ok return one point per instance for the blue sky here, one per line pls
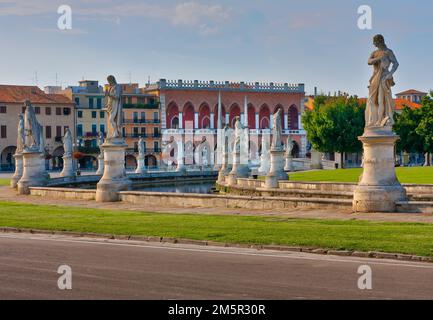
(310, 41)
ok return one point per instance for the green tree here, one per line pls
(405, 127)
(425, 127)
(334, 125)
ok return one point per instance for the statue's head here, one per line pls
(379, 40)
(111, 80)
(27, 103)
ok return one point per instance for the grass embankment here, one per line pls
(417, 175)
(410, 238)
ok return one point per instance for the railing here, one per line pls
(141, 106)
(89, 150)
(147, 150)
(231, 86)
(141, 135)
(141, 121)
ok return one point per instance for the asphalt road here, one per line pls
(133, 270)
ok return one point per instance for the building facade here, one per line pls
(141, 119)
(54, 112)
(411, 95)
(191, 107)
(88, 97)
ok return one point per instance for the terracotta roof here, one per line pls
(19, 94)
(401, 103)
(411, 91)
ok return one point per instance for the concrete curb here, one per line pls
(321, 251)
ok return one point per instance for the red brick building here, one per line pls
(191, 107)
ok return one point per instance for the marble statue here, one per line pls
(21, 134)
(238, 134)
(101, 139)
(141, 148)
(277, 130)
(205, 155)
(289, 149)
(114, 109)
(380, 104)
(33, 131)
(67, 143)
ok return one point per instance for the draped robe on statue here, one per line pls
(380, 104)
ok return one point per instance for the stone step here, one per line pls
(302, 193)
(424, 197)
(425, 207)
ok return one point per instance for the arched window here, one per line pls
(223, 112)
(251, 116)
(204, 116)
(172, 113)
(293, 118)
(188, 116)
(264, 117)
(235, 111)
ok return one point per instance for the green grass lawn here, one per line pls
(5, 182)
(421, 175)
(410, 238)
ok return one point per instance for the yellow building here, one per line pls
(141, 118)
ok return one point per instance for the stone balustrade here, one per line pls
(231, 86)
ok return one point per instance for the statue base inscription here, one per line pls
(34, 172)
(114, 178)
(379, 188)
(18, 170)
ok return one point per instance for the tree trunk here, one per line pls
(342, 160)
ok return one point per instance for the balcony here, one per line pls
(141, 135)
(89, 150)
(147, 150)
(141, 106)
(141, 121)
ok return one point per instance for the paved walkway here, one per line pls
(7, 194)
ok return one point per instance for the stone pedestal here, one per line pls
(140, 165)
(288, 166)
(34, 172)
(114, 178)
(316, 160)
(100, 170)
(68, 167)
(379, 188)
(277, 165)
(18, 170)
(239, 170)
(265, 164)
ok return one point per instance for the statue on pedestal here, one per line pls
(277, 131)
(33, 140)
(67, 144)
(141, 148)
(114, 109)
(21, 135)
(380, 104)
(379, 189)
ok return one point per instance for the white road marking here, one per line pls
(178, 247)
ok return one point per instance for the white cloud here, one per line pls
(205, 18)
